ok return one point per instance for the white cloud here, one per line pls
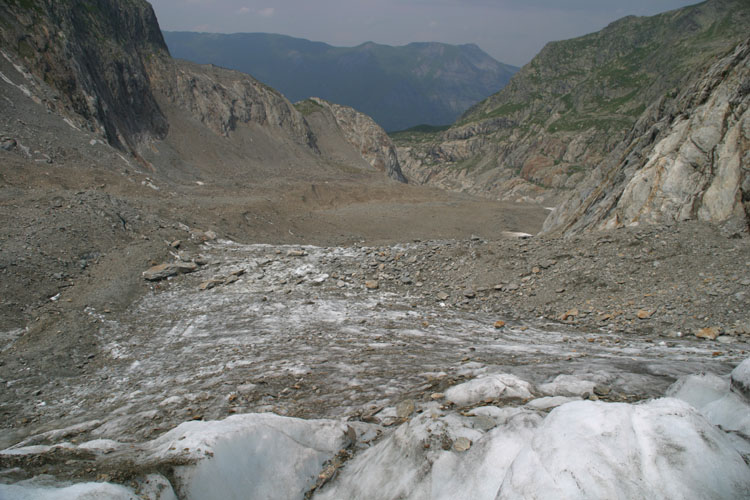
(267, 12)
(244, 10)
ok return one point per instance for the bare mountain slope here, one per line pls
(104, 66)
(563, 113)
(685, 159)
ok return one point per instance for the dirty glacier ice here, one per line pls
(288, 338)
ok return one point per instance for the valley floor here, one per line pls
(364, 303)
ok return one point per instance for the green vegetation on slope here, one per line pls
(606, 79)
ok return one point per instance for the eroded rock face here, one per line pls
(367, 137)
(95, 56)
(221, 99)
(563, 113)
(105, 68)
(687, 159)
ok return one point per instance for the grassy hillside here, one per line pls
(606, 79)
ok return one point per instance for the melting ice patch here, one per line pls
(662, 448)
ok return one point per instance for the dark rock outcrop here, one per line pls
(96, 54)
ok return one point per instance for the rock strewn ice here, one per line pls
(664, 448)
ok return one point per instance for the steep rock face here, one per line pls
(686, 159)
(104, 67)
(563, 113)
(366, 136)
(95, 54)
(221, 99)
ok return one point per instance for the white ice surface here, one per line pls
(712, 396)
(500, 386)
(661, 449)
(261, 456)
(567, 385)
(549, 402)
(699, 390)
(401, 466)
(81, 491)
(352, 351)
(741, 379)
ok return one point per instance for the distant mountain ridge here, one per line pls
(565, 111)
(399, 87)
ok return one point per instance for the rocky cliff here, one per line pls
(94, 54)
(222, 99)
(686, 158)
(104, 67)
(366, 136)
(562, 114)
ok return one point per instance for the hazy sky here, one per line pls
(512, 31)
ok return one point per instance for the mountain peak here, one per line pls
(422, 82)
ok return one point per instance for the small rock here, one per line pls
(709, 333)
(462, 444)
(726, 339)
(405, 408)
(643, 314)
(296, 253)
(442, 296)
(372, 285)
(602, 390)
(319, 280)
(231, 279)
(340, 284)
(7, 144)
(469, 294)
(207, 285)
(569, 314)
(499, 324)
(163, 271)
(485, 423)
(536, 270)
(201, 235)
(437, 395)
(176, 244)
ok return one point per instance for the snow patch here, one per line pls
(82, 491)
(500, 386)
(567, 385)
(250, 456)
(661, 449)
